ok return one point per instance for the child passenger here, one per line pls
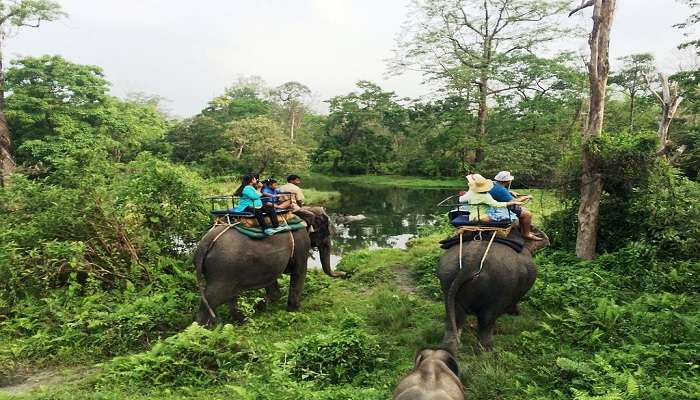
(251, 202)
(270, 192)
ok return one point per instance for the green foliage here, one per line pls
(344, 355)
(28, 13)
(194, 357)
(84, 322)
(360, 130)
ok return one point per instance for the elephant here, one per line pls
(228, 263)
(435, 376)
(505, 278)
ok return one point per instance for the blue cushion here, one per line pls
(222, 213)
(231, 213)
(463, 220)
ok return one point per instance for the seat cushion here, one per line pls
(463, 220)
(223, 213)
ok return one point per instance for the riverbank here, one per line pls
(393, 180)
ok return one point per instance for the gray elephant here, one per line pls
(505, 278)
(435, 376)
(234, 263)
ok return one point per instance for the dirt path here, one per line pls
(405, 280)
(56, 376)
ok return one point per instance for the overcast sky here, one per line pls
(189, 51)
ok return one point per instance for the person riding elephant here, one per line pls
(229, 262)
(501, 192)
(505, 278)
(251, 201)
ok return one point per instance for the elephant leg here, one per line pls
(451, 339)
(513, 310)
(272, 294)
(296, 287)
(216, 295)
(487, 323)
(236, 314)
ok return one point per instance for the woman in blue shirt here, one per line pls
(251, 202)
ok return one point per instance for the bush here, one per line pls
(195, 357)
(340, 356)
(660, 212)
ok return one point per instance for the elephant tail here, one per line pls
(465, 275)
(199, 256)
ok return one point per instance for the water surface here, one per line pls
(393, 215)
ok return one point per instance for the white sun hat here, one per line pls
(504, 176)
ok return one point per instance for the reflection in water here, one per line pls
(393, 215)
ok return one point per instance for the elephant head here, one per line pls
(320, 235)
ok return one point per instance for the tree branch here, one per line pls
(581, 7)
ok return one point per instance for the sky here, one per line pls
(189, 51)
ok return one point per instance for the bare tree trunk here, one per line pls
(479, 153)
(632, 96)
(591, 180)
(7, 162)
(291, 127)
(669, 100)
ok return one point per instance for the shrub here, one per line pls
(197, 356)
(337, 357)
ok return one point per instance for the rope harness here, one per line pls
(503, 232)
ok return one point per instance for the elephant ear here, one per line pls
(419, 358)
(452, 364)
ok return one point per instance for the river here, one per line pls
(392, 215)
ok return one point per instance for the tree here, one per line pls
(693, 19)
(15, 14)
(259, 145)
(669, 99)
(632, 78)
(472, 45)
(201, 136)
(292, 96)
(362, 130)
(591, 179)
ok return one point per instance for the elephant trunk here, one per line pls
(325, 251)
(471, 258)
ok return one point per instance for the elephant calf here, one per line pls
(434, 377)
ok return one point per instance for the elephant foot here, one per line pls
(293, 307)
(238, 317)
(482, 348)
(261, 306)
(513, 310)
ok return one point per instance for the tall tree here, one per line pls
(631, 78)
(292, 95)
(669, 99)
(591, 179)
(472, 44)
(693, 19)
(15, 14)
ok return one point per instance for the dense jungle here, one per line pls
(104, 199)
